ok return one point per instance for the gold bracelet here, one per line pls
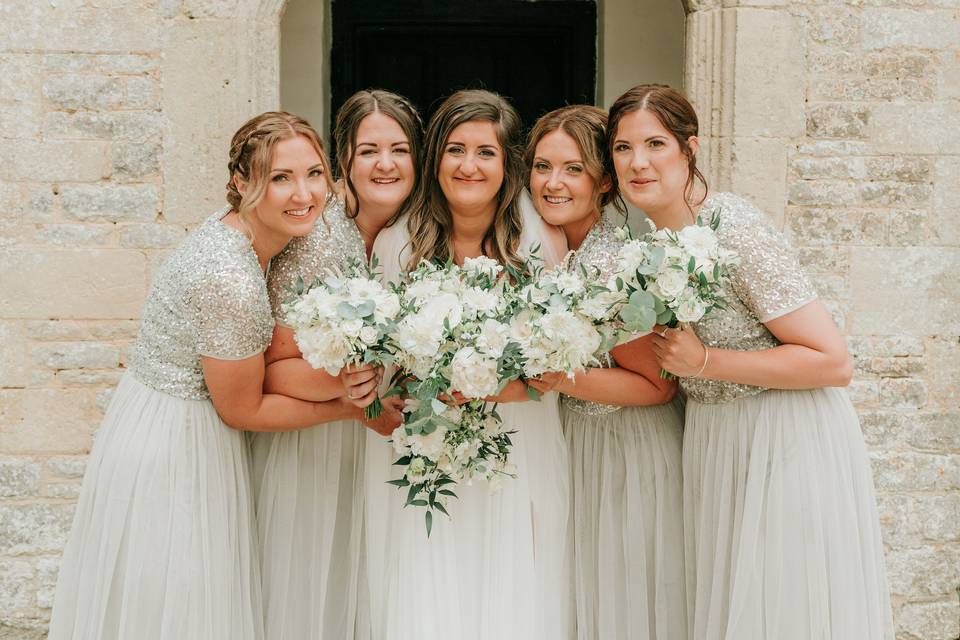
(706, 359)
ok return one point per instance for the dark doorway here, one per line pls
(541, 55)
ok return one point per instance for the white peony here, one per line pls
(494, 337)
(534, 294)
(388, 306)
(324, 348)
(690, 309)
(420, 334)
(482, 265)
(700, 242)
(431, 445)
(444, 306)
(352, 327)
(399, 440)
(603, 304)
(630, 258)
(473, 374)
(479, 302)
(421, 291)
(568, 283)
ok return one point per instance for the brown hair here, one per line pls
(351, 114)
(674, 112)
(251, 151)
(587, 125)
(430, 222)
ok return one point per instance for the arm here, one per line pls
(813, 354)
(635, 382)
(287, 373)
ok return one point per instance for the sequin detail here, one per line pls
(767, 283)
(209, 299)
(597, 251)
(334, 240)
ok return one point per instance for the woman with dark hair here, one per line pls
(310, 491)
(623, 432)
(500, 566)
(782, 534)
(164, 544)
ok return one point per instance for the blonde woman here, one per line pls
(163, 545)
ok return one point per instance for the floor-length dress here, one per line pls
(163, 545)
(309, 482)
(501, 566)
(782, 532)
(627, 500)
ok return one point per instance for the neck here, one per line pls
(469, 228)
(576, 231)
(370, 219)
(679, 213)
(266, 243)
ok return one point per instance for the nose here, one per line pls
(555, 181)
(385, 160)
(469, 164)
(301, 193)
(639, 160)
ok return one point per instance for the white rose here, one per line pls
(431, 445)
(521, 325)
(569, 283)
(422, 290)
(352, 327)
(494, 337)
(482, 265)
(603, 304)
(534, 294)
(444, 306)
(480, 302)
(690, 309)
(472, 374)
(399, 440)
(672, 282)
(416, 470)
(388, 306)
(700, 242)
(369, 335)
(630, 258)
(360, 289)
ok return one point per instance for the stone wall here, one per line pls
(840, 118)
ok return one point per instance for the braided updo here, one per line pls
(251, 152)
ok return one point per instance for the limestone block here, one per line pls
(830, 259)
(911, 228)
(911, 471)
(65, 490)
(927, 571)
(61, 27)
(76, 355)
(903, 393)
(135, 160)
(47, 570)
(41, 204)
(105, 63)
(891, 367)
(14, 362)
(769, 40)
(837, 120)
(948, 75)
(895, 194)
(47, 420)
(66, 330)
(34, 528)
(863, 392)
(882, 429)
(18, 477)
(836, 26)
(137, 126)
(868, 89)
(943, 356)
(19, 82)
(940, 517)
(210, 8)
(906, 290)
(832, 148)
(946, 196)
(53, 160)
(142, 93)
(808, 168)
(83, 91)
(899, 168)
(70, 467)
(93, 283)
(758, 172)
(20, 121)
(94, 377)
(938, 431)
(815, 226)
(929, 620)
(831, 193)
(889, 28)
(111, 202)
(901, 518)
(922, 128)
(16, 577)
(897, 63)
(74, 235)
(151, 236)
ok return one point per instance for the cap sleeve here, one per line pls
(232, 317)
(768, 278)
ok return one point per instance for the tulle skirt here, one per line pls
(500, 567)
(782, 533)
(163, 545)
(628, 522)
(310, 519)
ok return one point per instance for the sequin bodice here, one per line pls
(597, 251)
(767, 283)
(208, 299)
(333, 241)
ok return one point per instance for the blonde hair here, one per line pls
(430, 222)
(251, 152)
(587, 125)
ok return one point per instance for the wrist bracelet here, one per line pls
(706, 359)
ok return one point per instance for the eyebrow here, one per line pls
(480, 146)
(374, 144)
(319, 165)
(542, 159)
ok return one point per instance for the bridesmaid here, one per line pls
(499, 567)
(163, 545)
(310, 498)
(782, 534)
(623, 433)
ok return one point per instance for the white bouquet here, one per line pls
(342, 319)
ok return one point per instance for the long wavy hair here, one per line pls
(351, 114)
(430, 222)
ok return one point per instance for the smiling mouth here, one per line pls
(557, 199)
(642, 181)
(385, 180)
(470, 180)
(299, 213)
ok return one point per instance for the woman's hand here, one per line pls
(679, 351)
(389, 419)
(360, 383)
(550, 381)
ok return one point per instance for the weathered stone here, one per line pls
(18, 477)
(830, 259)
(34, 528)
(929, 620)
(930, 571)
(829, 60)
(40, 205)
(871, 88)
(47, 570)
(73, 235)
(824, 193)
(895, 194)
(68, 417)
(898, 168)
(151, 236)
(886, 346)
(14, 363)
(16, 577)
(831, 148)
(47, 26)
(934, 431)
(943, 356)
(20, 121)
(891, 367)
(864, 392)
(100, 63)
(837, 226)
(838, 27)
(142, 92)
(111, 202)
(912, 471)
(891, 28)
(911, 228)
(903, 393)
(76, 355)
(897, 64)
(66, 330)
(138, 126)
(52, 160)
(62, 490)
(914, 127)
(66, 466)
(946, 195)
(881, 429)
(135, 160)
(837, 121)
(83, 91)
(814, 168)
(97, 377)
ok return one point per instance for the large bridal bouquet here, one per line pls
(341, 319)
(452, 339)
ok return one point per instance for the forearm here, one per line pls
(295, 377)
(278, 413)
(618, 386)
(515, 391)
(788, 366)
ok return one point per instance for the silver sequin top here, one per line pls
(334, 240)
(767, 283)
(209, 299)
(597, 251)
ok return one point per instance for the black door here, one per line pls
(541, 55)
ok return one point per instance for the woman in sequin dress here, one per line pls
(163, 545)
(310, 482)
(623, 432)
(499, 567)
(782, 534)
